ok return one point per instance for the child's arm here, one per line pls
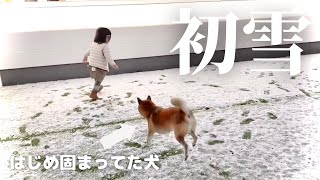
(107, 55)
(85, 57)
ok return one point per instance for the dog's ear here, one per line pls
(149, 98)
(139, 100)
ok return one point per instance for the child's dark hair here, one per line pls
(101, 35)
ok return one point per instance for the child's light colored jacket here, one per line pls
(99, 56)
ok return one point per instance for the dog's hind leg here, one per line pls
(193, 129)
(194, 137)
(180, 139)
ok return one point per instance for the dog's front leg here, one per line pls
(150, 136)
(150, 133)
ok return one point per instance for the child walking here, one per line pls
(98, 56)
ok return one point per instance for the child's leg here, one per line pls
(97, 86)
(100, 75)
(95, 90)
(100, 88)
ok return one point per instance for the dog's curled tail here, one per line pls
(181, 104)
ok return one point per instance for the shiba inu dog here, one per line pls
(179, 119)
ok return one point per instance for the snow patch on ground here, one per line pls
(251, 125)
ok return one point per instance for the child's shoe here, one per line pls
(93, 96)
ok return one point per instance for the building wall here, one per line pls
(44, 42)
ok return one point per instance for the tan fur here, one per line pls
(163, 120)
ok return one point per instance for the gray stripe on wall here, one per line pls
(70, 71)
